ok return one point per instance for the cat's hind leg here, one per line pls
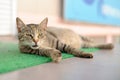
(100, 46)
(104, 46)
(88, 43)
(69, 49)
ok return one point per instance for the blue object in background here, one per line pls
(93, 11)
(89, 2)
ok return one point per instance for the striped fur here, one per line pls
(49, 41)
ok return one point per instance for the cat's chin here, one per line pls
(34, 47)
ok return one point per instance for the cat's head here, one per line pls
(31, 34)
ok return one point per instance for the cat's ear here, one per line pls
(20, 24)
(43, 24)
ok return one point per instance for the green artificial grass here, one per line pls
(11, 59)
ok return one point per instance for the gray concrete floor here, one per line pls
(104, 66)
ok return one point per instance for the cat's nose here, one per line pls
(36, 41)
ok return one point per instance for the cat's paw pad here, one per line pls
(56, 56)
(86, 55)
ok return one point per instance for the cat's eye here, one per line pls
(40, 35)
(29, 35)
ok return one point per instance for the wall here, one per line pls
(42, 7)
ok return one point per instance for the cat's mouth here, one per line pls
(34, 46)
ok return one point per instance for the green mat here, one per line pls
(11, 59)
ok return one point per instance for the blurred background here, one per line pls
(98, 19)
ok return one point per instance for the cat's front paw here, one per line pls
(86, 55)
(56, 56)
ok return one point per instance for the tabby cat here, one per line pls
(50, 41)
